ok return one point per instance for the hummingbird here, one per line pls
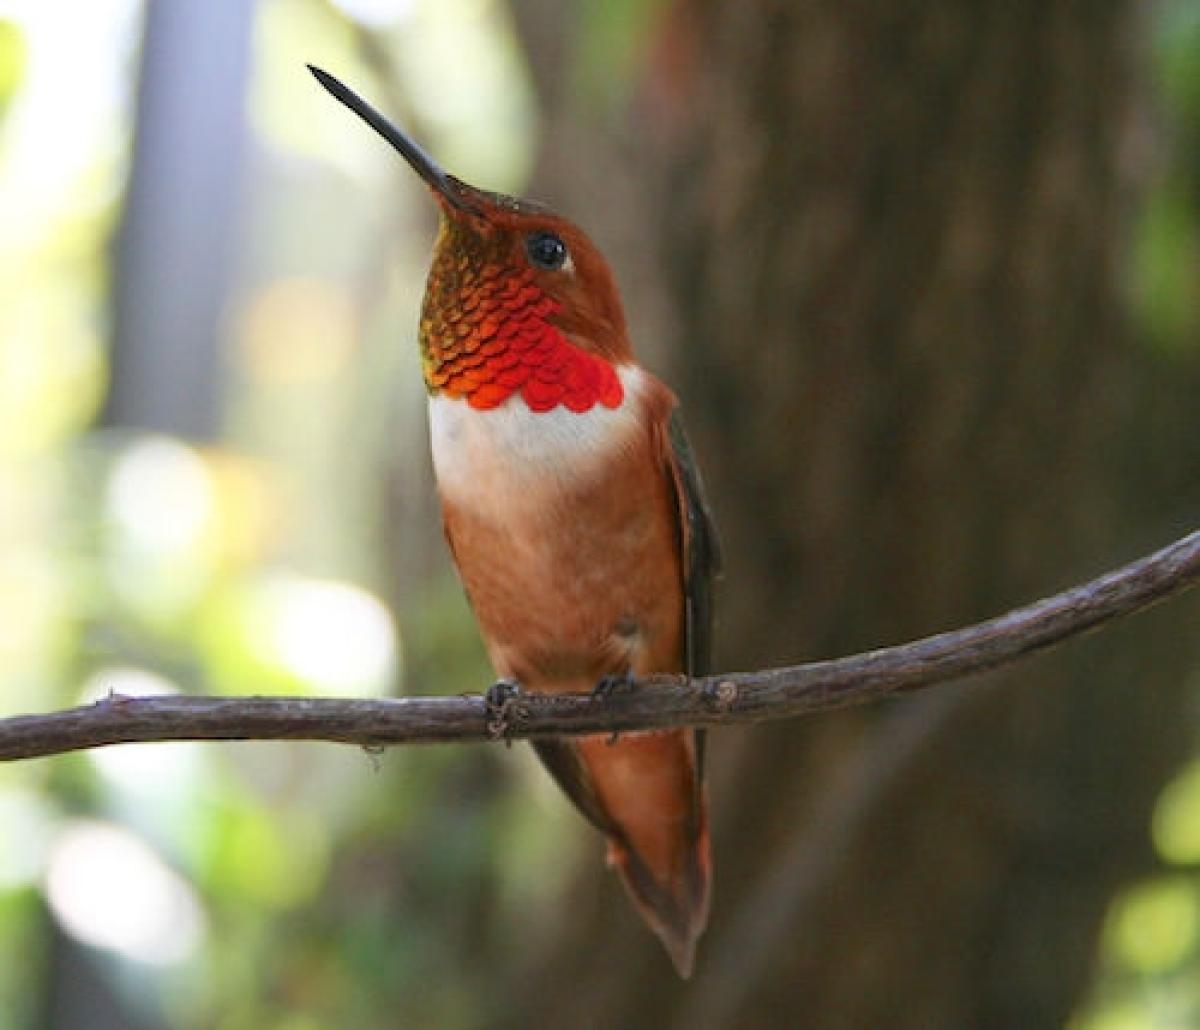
(574, 513)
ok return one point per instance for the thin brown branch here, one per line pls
(736, 698)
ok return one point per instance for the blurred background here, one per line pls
(927, 280)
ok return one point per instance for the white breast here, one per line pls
(511, 456)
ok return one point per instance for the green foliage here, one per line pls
(1177, 48)
(1151, 947)
(614, 35)
(23, 944)
(12, 60)
(1166, 266)
(1166, 251)
(1176, 824)
(1153, 928)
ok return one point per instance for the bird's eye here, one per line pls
(546, 250)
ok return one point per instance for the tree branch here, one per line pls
(736, 698)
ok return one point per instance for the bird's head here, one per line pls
(519, 302)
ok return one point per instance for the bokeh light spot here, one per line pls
(1153, 927)
(160, 494)
(334, 635)
(109, 889)
(1176, 825)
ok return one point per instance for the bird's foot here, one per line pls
(614, 683)
(499, 705)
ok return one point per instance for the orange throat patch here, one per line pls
(486, 335)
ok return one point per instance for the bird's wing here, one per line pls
(700, 546)
(701, 559)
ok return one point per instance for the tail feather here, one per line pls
(675, 908)
(645, 790)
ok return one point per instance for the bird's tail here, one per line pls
(648, 789)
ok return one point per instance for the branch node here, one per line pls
(722, 696)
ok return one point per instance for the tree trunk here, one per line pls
(178, 234)
(890, 240)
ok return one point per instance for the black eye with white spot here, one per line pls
(546, 250)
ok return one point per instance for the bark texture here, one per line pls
(889, 241)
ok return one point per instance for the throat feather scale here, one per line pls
(486, 334)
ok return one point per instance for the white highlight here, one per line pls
(334, 635)
(377, 13)
(71, 106)
(109, 889)
(161, 495)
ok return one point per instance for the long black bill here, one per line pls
(424, 165)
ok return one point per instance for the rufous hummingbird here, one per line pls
(574, 513)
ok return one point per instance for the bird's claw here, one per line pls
(614, 683)
(500, 704)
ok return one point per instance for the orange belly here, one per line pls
(572, 566)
